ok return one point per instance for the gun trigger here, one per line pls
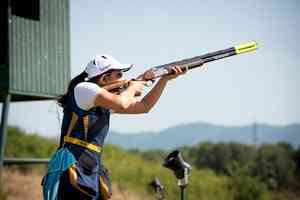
(150, 82)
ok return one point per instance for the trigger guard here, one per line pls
(149, 83)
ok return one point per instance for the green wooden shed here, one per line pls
(35, 60)
(34, 52)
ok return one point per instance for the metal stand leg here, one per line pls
(182, 192)
(3, 129)
(182, 183)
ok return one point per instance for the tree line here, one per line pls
(275, 165)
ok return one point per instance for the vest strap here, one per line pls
(82, 143)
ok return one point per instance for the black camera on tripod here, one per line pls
(181, 169)
(175, 162)
(158, 188)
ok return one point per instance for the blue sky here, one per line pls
(261, 86)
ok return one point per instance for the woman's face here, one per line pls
(110, 77)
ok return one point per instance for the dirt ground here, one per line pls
(23, 186)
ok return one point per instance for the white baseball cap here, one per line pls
(102, 63)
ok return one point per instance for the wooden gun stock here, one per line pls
(115, 87)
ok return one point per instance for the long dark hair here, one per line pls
(62, 100)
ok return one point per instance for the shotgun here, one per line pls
(189, 63)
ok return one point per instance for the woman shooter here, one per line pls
(76, 170)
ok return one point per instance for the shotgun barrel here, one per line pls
(198, 61)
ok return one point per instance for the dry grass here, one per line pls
(27, 185)
(19, 185)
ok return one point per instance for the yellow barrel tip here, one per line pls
(246, 47)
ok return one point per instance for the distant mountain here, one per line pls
(193, 133)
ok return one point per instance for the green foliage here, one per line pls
(3, 195)
(130, 171)
(220, 171)
(151, 155)
(20, 144)
(246, 187)
(296, 157)
(275, 165)
(220, 157)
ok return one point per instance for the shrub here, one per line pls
(246, 187)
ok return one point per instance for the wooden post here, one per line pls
(3, 130)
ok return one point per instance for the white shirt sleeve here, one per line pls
(85, 94)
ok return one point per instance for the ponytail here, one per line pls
(62, 100)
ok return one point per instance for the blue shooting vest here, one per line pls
(82, 138)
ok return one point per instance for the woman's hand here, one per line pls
(137, 86)
(147, 76)
(177, 72)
